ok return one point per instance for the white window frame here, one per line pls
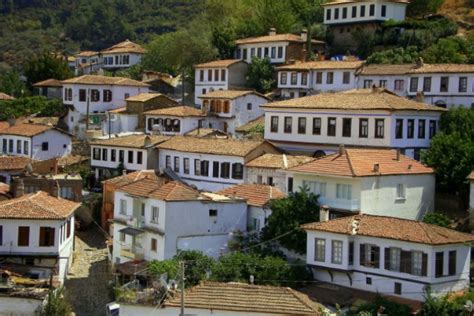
(316, 187)
(416, 262)
(320, 249)
(155, 214)
(394, 261)
(401, 191)
(344, 191)
(336, 251)
(123, 207)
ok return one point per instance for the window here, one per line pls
(367, 83)
(237, 53)
(23, 236)
(369, 256)
(346, 77)
(215, 169)
(216, 74)
(462, 84)
(362, 11)
(444, 84)
(410, 128)
(244, 55)
(368, 281)
(399, 128)
(270, 180)
(283, 78)
(336, 253)
(104, 154)
(319, 77)
(273, 53)
(421, 128)
(113, 155)
(126, 95)
(399, 84)
(237, 171)
(344, 13)
(330, 78)
(315, 187)
(168, 162)
(413, 84)
(176, 164)
(346, 127)
(122, 237)
(382, 83)
(288, 123)
(432, 130)
(204, 168)
(319, 249)
(304, 78)
(301, 125)
(289, 186)
(123, 207)
(209, 75)
(44, 146)
(397, 288)
(1, 235)
(249, 106)
(328, 14)
(344, 191)
(372, 10)
(351, 253)
(427, 84)
(82, 95)
(154, 245)
(186, 165)
(400, 191)
(223, 75)
(46, 237)
(96, 154)
(452, 262)
(354, 11)
(66, 193)
(331, 126)
(416, 262)
(95, 95)
(259, 52)
(379, 128)
(225, 170)
(201, 75)
(130, 156)
(212, 213)
(394, 258)
(280, 52)
(197, 167)
(336, 13)
(25, 147)
(18, 146)
(265, 51)
(155, 212)
(363, 128)
(316, 126)
(439, 268)
(384, 11)
(4, 148)
(274, 124)
(294, 78)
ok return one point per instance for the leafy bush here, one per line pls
(391, 308)
(260, 75)
(30, 105)
(437, 219)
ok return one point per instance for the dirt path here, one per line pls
(87, 284)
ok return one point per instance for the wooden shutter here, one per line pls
(405, 264)
(387, 258)
(51, 236)
(42, 237)
(424, 264)
(362, 255)
(23, 236)
(376, 256)
(68, 228)
(452, 263)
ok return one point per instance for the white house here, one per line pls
(344, 18)
(225, 74)
(153, 219)
(121, 56)
(87, 62)
(471, 195)
(177, 120)
(280, 48)
(258, 198)
(134, 152)
(363, 118)
(272, 169)
(210, 164)
(391, 256)
(230, 299)
(302, 79)
(444, 85)
(232, 108)
(36, 141)
(37, 230)
(369, 181)
(91, 96)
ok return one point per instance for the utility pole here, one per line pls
(87, 108)
(182, 287)
(182, 86)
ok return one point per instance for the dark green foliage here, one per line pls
(419, 8)
(391, 308)
(260, 75)
(288, 214)
(223, 40)
(445, 307)
(453, 49)
(397, 55)
(46, 66)
(437, 219)
(452, 150)
(11, 84)
(30, 105)
(56, 304)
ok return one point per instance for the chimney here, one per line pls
(398, 155)
(376, 167)
(251, 279)
(342, 149)
(420, 97)
(124, 172)
(273, 31)
(55, 189)
(419, 63)
(324, 213)
(409, 167)
(20, 188)
(304, 34)
(12, 121)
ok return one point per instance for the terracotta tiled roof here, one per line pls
(247, 127)
(87, 53)
(48, 83)
(181, 111)
(361, 162)
(71, 160)
(104, 80)
(134, 176)
(278, 161)
(4, 188)
(230, 94)
(471, 176)
(335, 2)
(27, 130)
(124, 47)
(240, 297)
(205, 132)
(383, 69)
(214, 146)
(169, 191)
(219, 63)
(4, 96)
(274, 38)
(39, 205)
(392, 228)
(131, 141)
(404, 69)
(327, 64)
(143, 97)
(255, 194)
(362, 99)
(14, 163)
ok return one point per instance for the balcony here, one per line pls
(342, 204)
(133, 253)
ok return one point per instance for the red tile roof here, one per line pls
(278, 161)
(104, 80)
(126, 46)
(27, 130)
(8, 163)
(224, 63)
(169, 191)
(324, 64)
(179, 111)
(275, 38)
(361, 163)
(48, 83)
(391, 228)
(39, 205)
(255, 194)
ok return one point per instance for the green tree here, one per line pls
(452, 150)
(397, 55)
(46, 66)
(56, 304)
(223, 39)
(417, 8)
(437, 219)
(260, 75)
(449, 50)
(274, 13)
(391, 308)
(288, 215)
(11, 84)
(30, 105)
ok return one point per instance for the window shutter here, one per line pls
(424, 265)
(362, 255)
(387, 258)
(376, 252)
(42, 237)
(51, 236)
(405, 258)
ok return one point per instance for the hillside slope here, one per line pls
(461, 11)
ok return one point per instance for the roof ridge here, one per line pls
(350, 163)
(298, 296)
(38, 193)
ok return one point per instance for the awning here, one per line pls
(131, 231)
